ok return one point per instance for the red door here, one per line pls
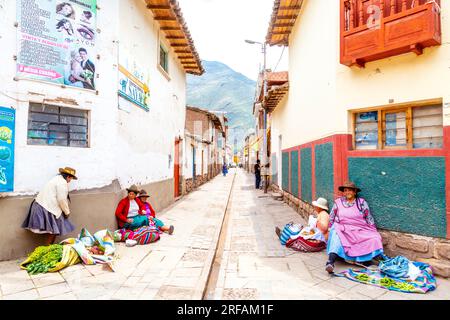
(176, 174)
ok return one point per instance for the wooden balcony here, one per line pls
(378, 29)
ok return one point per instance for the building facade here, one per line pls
(369, 101)
(204, 147)
(116, 117)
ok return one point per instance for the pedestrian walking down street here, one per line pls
(225, 169)
(49, 211)
(258, 174)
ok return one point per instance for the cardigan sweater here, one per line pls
(122, 210)
(53, 197)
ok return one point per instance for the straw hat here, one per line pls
(133, 188)
(321, 203)
(351, 185)
(143, 194)
(71, 172)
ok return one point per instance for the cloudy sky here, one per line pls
(219, 28)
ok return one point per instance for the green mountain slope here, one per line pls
(225, 90)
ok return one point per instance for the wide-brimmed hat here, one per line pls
(71, 172)
(351, 185)
(133, 188)
(321, 203)
(143, 194)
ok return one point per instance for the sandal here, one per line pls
(171, 229)
(278, 232)
(330, 268)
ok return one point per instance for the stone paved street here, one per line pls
(254, 265)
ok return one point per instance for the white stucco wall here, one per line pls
(133, 146)
(322, 90)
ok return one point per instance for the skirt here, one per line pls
(334, 245)
(40, 221)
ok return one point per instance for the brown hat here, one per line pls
(71, 172)
(351, 185)
(133, 188)
(143, 194)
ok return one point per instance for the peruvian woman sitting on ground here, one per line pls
(151, 213)
(130, 212)
(353, 234)
(313, 237)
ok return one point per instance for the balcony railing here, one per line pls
(377, 29)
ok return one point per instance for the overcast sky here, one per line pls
(219, 28)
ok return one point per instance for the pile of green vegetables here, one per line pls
(387, 283)
(44, 258)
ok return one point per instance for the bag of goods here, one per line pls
(105, 241)
(146, 235)
(43, 259)
(85, 237)
(290, 230)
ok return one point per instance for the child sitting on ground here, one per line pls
(151, 213)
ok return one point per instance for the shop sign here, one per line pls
(7, 135)
(133, 89)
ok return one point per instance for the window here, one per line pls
(164, 58)
(408, 127)
(50, 125)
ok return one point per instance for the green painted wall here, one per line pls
(285, 171)
(404, 194)
(306, 174)
(294, 173)
(324, 172)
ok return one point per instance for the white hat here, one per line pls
(321, 203)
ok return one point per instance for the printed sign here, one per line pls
(7, 133)
(133, 89)
(57, 41)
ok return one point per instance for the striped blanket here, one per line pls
(304, 245)
(424, 283)
(143, 235)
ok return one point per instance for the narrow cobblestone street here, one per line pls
(252, 262)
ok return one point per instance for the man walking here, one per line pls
(258, 174)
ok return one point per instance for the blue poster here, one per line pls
(7, 132)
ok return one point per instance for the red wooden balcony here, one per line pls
(378, 29)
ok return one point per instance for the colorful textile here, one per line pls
(334, 246)
(90, 255)
(146, 235)
(357, 236)
(138, 222)
(423, 283)
(143, 235)
(158, 223)
(303, 245)
(290, 230)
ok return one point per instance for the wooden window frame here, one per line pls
(382, 110)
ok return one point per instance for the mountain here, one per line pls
(222, 89)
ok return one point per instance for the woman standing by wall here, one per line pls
(49, 211)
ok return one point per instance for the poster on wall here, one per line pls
(57, 41)
(7, 133)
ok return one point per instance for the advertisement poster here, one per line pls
(7, 133)
(57, 41)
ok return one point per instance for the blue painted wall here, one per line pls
(285, 173)
(324, 172)
(294, 173)
(404, 194)
(306, 174)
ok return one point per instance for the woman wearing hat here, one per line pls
(49, 211)
(130, 212)
(313, 237)
(151, 213)
(353, 234)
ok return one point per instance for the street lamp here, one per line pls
(265, 162)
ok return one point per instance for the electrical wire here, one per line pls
(279, 60)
